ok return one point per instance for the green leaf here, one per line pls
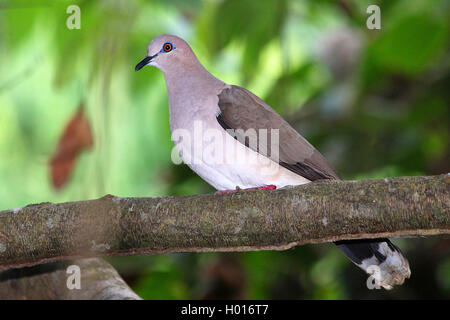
(254, 22)
(410, 44)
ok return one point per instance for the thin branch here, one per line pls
(317, 212)
(98, 281)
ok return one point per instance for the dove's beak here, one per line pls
(144, 62)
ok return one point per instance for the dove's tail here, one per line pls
(378, 257)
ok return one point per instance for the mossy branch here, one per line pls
(321, 211)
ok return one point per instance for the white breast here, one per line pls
(224, 162)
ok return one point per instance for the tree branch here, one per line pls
(321, 211)
(99, 281)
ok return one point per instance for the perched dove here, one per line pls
(233, 139)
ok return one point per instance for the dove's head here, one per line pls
(167, 53)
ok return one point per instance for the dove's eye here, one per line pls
(167, 47)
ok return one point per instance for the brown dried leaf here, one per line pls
(76, 138)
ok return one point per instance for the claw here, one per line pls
(228, 191)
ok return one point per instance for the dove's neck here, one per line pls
(193, 95)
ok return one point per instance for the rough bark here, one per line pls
(99, 281)
(321, 211)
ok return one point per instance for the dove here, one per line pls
(234, 140)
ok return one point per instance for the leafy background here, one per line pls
(374, 102)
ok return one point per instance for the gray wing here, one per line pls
(240, 109)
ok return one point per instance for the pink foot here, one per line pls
(268, 187)
(228, 191)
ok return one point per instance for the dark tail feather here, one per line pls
(392, 269)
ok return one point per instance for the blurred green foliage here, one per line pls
(374, 102)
